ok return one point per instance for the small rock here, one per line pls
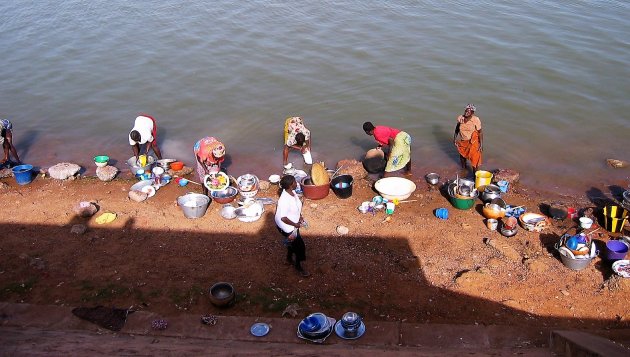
(536, 266)
(342, 230)
(512, 303)
(264, 185)
(183, 172)
(78, 229)
(137, 196)
(506, 175)
(313, 205)
(353, 168)
(4, 173)
(483, 270)
(64, 170)
(409, 264)
(564, 292)
(85, 209)
(494, 262)
(292, 310)
(106, 173)
(3, 186)
(325, 268)
(465, 226)
(37, 263)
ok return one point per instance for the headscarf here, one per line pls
(293, 126)
(6, 124)
(209, 147)
(471, 107)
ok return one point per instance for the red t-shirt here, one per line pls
(383, 133)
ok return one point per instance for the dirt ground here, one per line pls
(414, 268)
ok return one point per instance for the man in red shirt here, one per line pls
(399, 143)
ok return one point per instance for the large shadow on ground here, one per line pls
(170, 271)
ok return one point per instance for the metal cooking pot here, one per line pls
(490, 192)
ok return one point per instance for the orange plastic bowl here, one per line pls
(177, 165)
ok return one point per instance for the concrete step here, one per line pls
(579, 343)
(43, 327)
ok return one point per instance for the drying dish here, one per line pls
(622, 268)
(533, 222)
(395, 188)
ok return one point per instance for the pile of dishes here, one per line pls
(251, 211)
(533, 222)
(350, 326)
(576, 252)
(462, 194)
(316, 327)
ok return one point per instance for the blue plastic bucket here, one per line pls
(23, 174)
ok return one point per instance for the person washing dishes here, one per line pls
(399, 143)
(144, 132)
(296, 137)
(6, 140)
(468, 138)
(210, 154)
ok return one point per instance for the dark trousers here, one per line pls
(296, 247)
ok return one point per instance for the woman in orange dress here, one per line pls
(468, 138)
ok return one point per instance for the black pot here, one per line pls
(343, 180)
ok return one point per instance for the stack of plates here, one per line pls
(316, 327)
(350, 326)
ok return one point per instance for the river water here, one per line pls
(549, 79)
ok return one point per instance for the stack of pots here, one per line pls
(247, 185)
(462, 194)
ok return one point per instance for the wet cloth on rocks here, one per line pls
(109, 318)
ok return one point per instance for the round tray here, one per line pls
(219, 175)
(259, 329)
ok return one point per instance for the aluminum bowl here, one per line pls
(432, 178)
(225, 196)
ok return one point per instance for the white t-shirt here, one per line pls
(290, 207)
(144, 126)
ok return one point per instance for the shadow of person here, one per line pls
(365, 143)
(444, 140)
(27, 140)
(599, 198)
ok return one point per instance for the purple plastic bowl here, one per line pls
(615, 250)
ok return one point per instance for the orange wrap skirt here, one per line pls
(469, 149)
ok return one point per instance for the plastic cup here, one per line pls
(389, 208)
(492, 224)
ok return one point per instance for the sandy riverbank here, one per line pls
(414, 268)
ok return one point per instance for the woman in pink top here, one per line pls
(399, 143)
